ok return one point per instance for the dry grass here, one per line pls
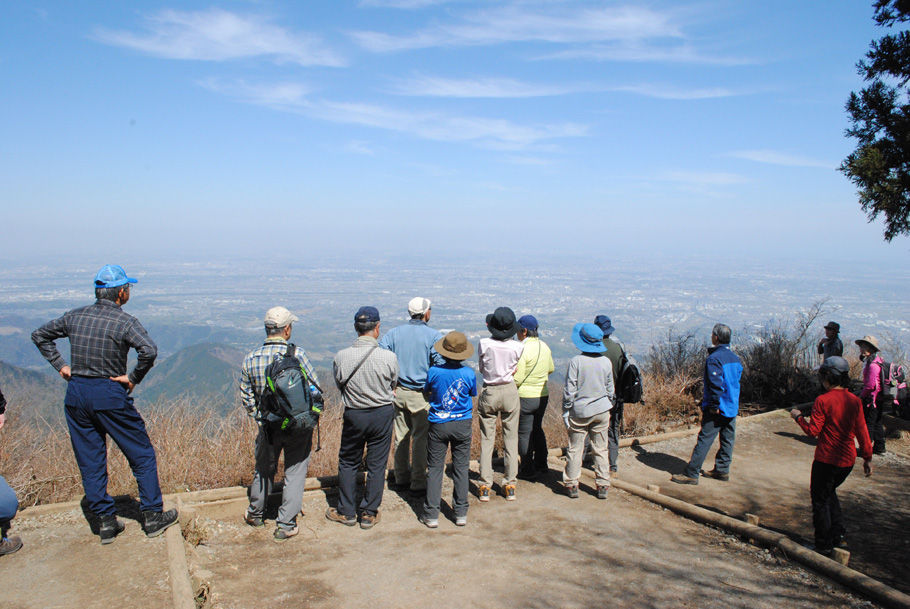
(198, 449)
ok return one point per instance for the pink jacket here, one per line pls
(872, 379)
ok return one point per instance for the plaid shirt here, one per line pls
(100, 336)
(2, 403)
(252, 371)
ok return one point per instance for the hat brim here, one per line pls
(586, 347)
(438, 345)
(608, 330)
(116, 284)
(504, 334)
(862, 341)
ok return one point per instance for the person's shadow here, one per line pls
(797, 436)
(124, 507)
(659, 461)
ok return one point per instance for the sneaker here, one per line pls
(723, 477)
(14, 544)
(461, 521)
(110, 527)
(333, 515)
(509, 492)
(253, 521)
(841, 542)
(430, 523)
(368, 521)
(483, 493)
(281, 533)
(602, 491)
(572, 491)
(157, 522)
(683, 479)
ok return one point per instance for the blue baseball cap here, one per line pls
(589, 338)
(366, 314)
(528, 322)
(603, 322)
(112, 276)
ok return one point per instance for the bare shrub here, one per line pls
(777, 361)
(681, 356)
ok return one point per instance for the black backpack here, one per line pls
(629, 386)
(287, 401)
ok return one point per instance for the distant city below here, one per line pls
(224, 302)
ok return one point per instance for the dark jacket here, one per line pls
(723, 370)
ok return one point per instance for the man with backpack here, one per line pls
(275, 404)
(614, 353)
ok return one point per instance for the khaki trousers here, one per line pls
(411, 427)
(596, 428)
(498, 401)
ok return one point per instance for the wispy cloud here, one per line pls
(636, 52)
(405, 4)
(504, 88)
(773, 157)
(359, 147)
(703, 178)
(432, 86)
(438, 126)
(553, 23)
(218, 35)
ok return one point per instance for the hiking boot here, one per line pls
(253, 521)
(109, 528)
(12, 544)
(281, 533)
(368, 521)
(333, 515)
(683, 479)
(723, 477)
(430, 523)
(509, 492)
(483, 493)
(602, 491)
(461, 521)
(572, 491)
(157, 522)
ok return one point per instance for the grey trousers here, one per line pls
(296, 447)
(441, 436)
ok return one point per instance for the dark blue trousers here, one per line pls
(370, 428)
(97, 408)
(9, 505)
(712, 425)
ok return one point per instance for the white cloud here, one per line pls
(553, 23)
(672, 92)
(431, 86)
(405, 4)
(773, 157)
(703, 178)
(359, 147)
(438, 126)
(218, 35)
(636, 52)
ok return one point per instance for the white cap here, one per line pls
(279, 317)
(418, 306)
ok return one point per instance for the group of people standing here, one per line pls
(411, 385)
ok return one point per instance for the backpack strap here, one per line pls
(291, 351)
(343, 384)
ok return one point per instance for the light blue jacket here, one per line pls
(413, 344)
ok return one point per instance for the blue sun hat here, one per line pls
(112, 276)
(589, 338)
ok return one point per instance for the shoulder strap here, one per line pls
(291, 350)
(343, 384)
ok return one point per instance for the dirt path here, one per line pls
(770, 477)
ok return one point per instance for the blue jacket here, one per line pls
(723, 369)
(413, 344)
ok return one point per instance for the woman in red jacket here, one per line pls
(837, 418)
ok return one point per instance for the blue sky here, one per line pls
(140, 130)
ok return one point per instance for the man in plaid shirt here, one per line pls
(98, 403)
(271, 439)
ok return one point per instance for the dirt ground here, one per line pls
(544, 550)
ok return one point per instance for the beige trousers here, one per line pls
(498, 401)
(596, 428)
(410, 461)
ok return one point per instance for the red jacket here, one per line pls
(837, 418)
